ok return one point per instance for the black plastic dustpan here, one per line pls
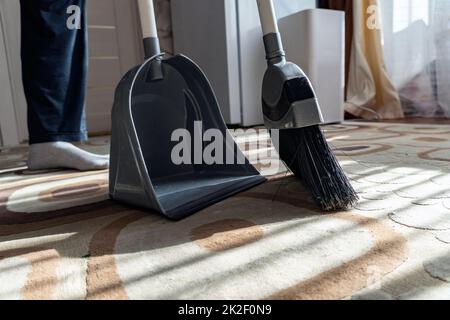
(156, 104)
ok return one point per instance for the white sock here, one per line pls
(53, 155)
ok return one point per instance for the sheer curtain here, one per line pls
(417, 54)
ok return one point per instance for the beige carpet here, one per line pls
(61, 238)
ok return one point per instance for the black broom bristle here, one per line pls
(307, 153)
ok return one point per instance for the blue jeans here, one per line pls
(54, 70)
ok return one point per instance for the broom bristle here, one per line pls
(307, 153)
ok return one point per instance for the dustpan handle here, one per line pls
(149, 28)
(272, 38)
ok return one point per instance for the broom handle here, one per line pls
(272, 38)
(149, 28)
(267, 16)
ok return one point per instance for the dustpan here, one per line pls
(159, 106)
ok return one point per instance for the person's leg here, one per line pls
(54, 67)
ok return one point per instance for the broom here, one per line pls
(290, 105)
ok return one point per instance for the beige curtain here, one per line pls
(370, 93)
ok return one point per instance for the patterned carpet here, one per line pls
(61, 238)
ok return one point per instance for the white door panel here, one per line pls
(114, 47)
(8, 130)
(16, 110)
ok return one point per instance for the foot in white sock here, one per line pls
(52, 155)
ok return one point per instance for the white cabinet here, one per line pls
(315, 40)
(224, 37)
